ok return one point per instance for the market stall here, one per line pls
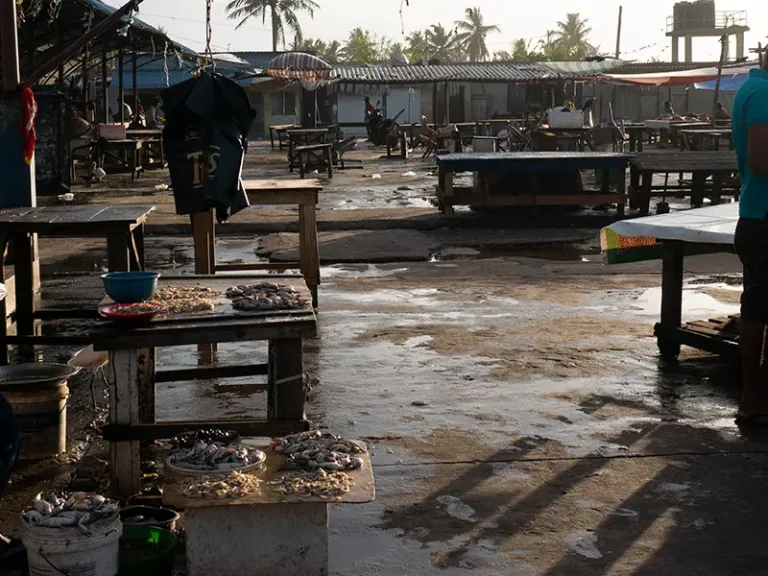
(529, 170)
(672, 237)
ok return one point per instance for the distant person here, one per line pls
(668, 108)
(152, 115)
(721, 113)
(370, 112)
(750, 138)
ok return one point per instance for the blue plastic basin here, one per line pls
(130, 287)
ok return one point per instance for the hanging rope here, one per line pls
(209, 33)
(165, 65)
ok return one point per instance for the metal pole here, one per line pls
(723, 53)
(104, 91)
(134, 88)
(121, 88)
(618, 33)
(10, 45)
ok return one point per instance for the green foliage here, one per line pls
(282, 15)
(472, 35)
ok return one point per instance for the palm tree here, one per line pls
(473, 33)
(332, 53)
(418, 49)
(572, 38)
(282, 15)
(442, 44)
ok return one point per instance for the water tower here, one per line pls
(700, 19)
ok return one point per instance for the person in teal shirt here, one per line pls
(668, 108)
(750, 138)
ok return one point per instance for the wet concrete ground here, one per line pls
(520, 418)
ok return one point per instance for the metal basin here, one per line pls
(35, 374)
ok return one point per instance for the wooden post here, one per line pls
(125, 384)
(10, 45)
(308, 249)
(618, 33)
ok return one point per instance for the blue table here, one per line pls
(488, 167)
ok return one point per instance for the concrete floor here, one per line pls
(520, 418)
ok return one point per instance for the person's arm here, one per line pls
(757, 140)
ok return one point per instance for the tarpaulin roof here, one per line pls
(729, 84)
(299, 66)
(683, 78)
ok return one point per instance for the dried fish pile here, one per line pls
(265, 296)
(67, 511)
(235, 485)
(325, 485)
(315, 450)
(209, 457)
(186, 299)
(210, 436)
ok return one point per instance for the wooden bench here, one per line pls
(305, 154)
(282, 134)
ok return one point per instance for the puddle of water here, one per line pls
(696, 305)
(358, 271)
(545, 251)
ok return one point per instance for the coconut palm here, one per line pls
(282, 15)
(442, 44)
(417, 48)
(473, 33)
(572, 38)
(332, 53)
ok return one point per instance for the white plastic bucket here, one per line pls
(57, 551)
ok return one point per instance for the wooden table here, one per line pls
(701, 231)
(131, 147)
(123, 227)
(304, 137)
(152, 143)
(637, 135)
(133, 375)
(493, 126)
(701, 165)
(280, 130)
(697, 139)
(533, 163)
(303, 193)
(291, 530)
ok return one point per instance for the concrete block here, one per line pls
(273, 539)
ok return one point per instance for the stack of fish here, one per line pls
(315, 450)
(79, 509)
(210, 435)
(265, 296)
(209, 457)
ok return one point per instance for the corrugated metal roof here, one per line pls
(492, 72)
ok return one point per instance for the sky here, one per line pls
(643, 33)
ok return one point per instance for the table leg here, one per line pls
(272, 138)
(23, 269)
(621, 191)
(445, 191)
(290, 154)
(634, 186)
(698, 184)
(717, 187)
(671, 297)
(329, 159)
(309, 254)
(287, 393)
(127, 378)
(644, 202)
(138, 246)
(119, 251)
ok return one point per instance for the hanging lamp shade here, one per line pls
(300, 66)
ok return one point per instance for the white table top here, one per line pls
(710, 225)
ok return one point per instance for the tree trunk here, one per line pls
(275, 27)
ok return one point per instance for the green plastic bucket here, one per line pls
(146, 550)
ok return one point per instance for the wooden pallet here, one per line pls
(722, 328)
